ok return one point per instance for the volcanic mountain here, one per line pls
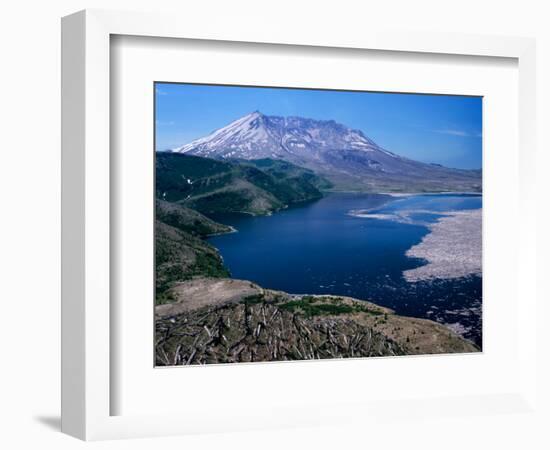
(348, 158)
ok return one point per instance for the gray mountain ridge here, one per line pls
(347, 157)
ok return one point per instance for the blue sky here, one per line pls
(431, 128)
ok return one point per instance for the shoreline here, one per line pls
(221, 233)
(406, 194)
(411, 194)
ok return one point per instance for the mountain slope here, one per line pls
(211, 186)
(348, 158)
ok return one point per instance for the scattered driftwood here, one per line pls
(263, 332)
(226, 320)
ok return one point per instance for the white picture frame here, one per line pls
(87, 325)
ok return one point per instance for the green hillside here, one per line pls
(284, 170)
(253, 187)
(187, 220)
(182, 256)
(181, 253)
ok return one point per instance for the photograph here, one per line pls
(232, 225)
(305, 224)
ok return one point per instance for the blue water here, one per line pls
(320, 248)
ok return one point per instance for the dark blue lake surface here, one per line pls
(320, 248)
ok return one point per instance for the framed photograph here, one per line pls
(250, 213)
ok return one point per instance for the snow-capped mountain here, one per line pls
(346, 156)
(257, 136)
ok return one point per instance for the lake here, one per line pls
(322, 248)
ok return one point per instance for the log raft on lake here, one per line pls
(452, 248)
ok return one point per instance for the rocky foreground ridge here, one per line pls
(221, 320)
